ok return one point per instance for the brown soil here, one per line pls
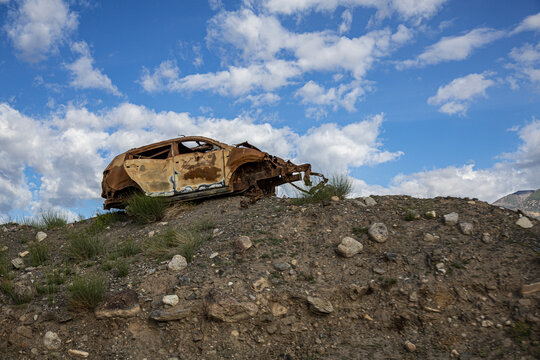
(388, 294)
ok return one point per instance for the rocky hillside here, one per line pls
(389, 277)
(528, 201)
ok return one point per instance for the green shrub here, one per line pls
(339, 185)
(83, 246)
(122, 268)
(86, 292)
(128, 248)
(184, 242)
(359, 230)
(101, 221)
(146, 209)
(51, 219)
(39, 253)
(410, 215)
(190, 241)
(5, 264)
(6, 286)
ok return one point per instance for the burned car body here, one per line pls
(195, 167)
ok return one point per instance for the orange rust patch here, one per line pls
(206, 173)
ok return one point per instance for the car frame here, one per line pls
(194, 167)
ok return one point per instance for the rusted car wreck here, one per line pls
(196, 167)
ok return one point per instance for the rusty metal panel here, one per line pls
(199, 171)
(154, 176)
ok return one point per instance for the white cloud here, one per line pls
(344, 95)
(456, 96)
(530, 23)
(526, 62)
(406, 9)
(346, 23)
(83, 73)
(37, 27)
(261, 99)
(162, 76)
(453, 47)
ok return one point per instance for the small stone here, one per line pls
(40, 236)
(359, 203)
(213, 255)
(278, 309)
(23, 254)
(163, 223)
(17, 263)
(216, 232)
(170, 314)
(223, 307)
(431, 237)
(78, 353)
(487, 323)
(440, 268)
(151, 233)
(177, 263)
(24, 331)
(451, 219)
(271, 328)
(235, 333)
(367, 317)
(282, 266)
(486, 238)
(242, 244)
(260, 284)
(369, 201)
(466, 228)
(52, 341)
(4, 248)
(524, 222)
(319, 305)
(430, 214)
(410, 346)
(454, 353)
(123, 304)
(378, 232)
(530, 289)
(378, 270)
(413, 297)
(335, 198)
(349, 247)
(170, 300)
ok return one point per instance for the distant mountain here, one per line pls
(527, 201)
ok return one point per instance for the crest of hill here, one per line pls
(527, 201)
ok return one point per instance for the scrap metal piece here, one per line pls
(194, 167)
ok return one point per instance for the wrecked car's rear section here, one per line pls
(197, 167)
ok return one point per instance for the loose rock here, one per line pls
(170, 300)
(431, 237)
(225, 308)
(123, 304)
(52, 341)
(335, 198)
(378, 232)
(177, 263)
(409, 346)
(530, 289)
(282, 266)
(170, 314)
(40, 236)
(486, 238)
(242, 244)
(349, 247)
(18, 263)
(78, 353)
(369, 201)
(430, 214)
(319, 305)
(524, 222)
(466, 228)
(451, 219)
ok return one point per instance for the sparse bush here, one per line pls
(52, 219)
(184, 242)
(146, 209)
(7, 287)
(204, 225)
(339, 185)
(410, 215)
(87, 291)
(83, 246)
(39, 253)
(122, 268)
(359, 230)
(190, 241)
(128, 248)
(101, 221)
(4, 264)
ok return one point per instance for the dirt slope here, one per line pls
(290, 295)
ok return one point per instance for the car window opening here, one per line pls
(162, 152)
(188, 147)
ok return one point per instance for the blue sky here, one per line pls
(427, 97)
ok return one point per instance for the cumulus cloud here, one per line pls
(346, 23)
(69, 149)
(457, 96)
(344, 95)
(453, 48)
(405, 9)
(37, 27)
(526, 62)
(530, 23)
